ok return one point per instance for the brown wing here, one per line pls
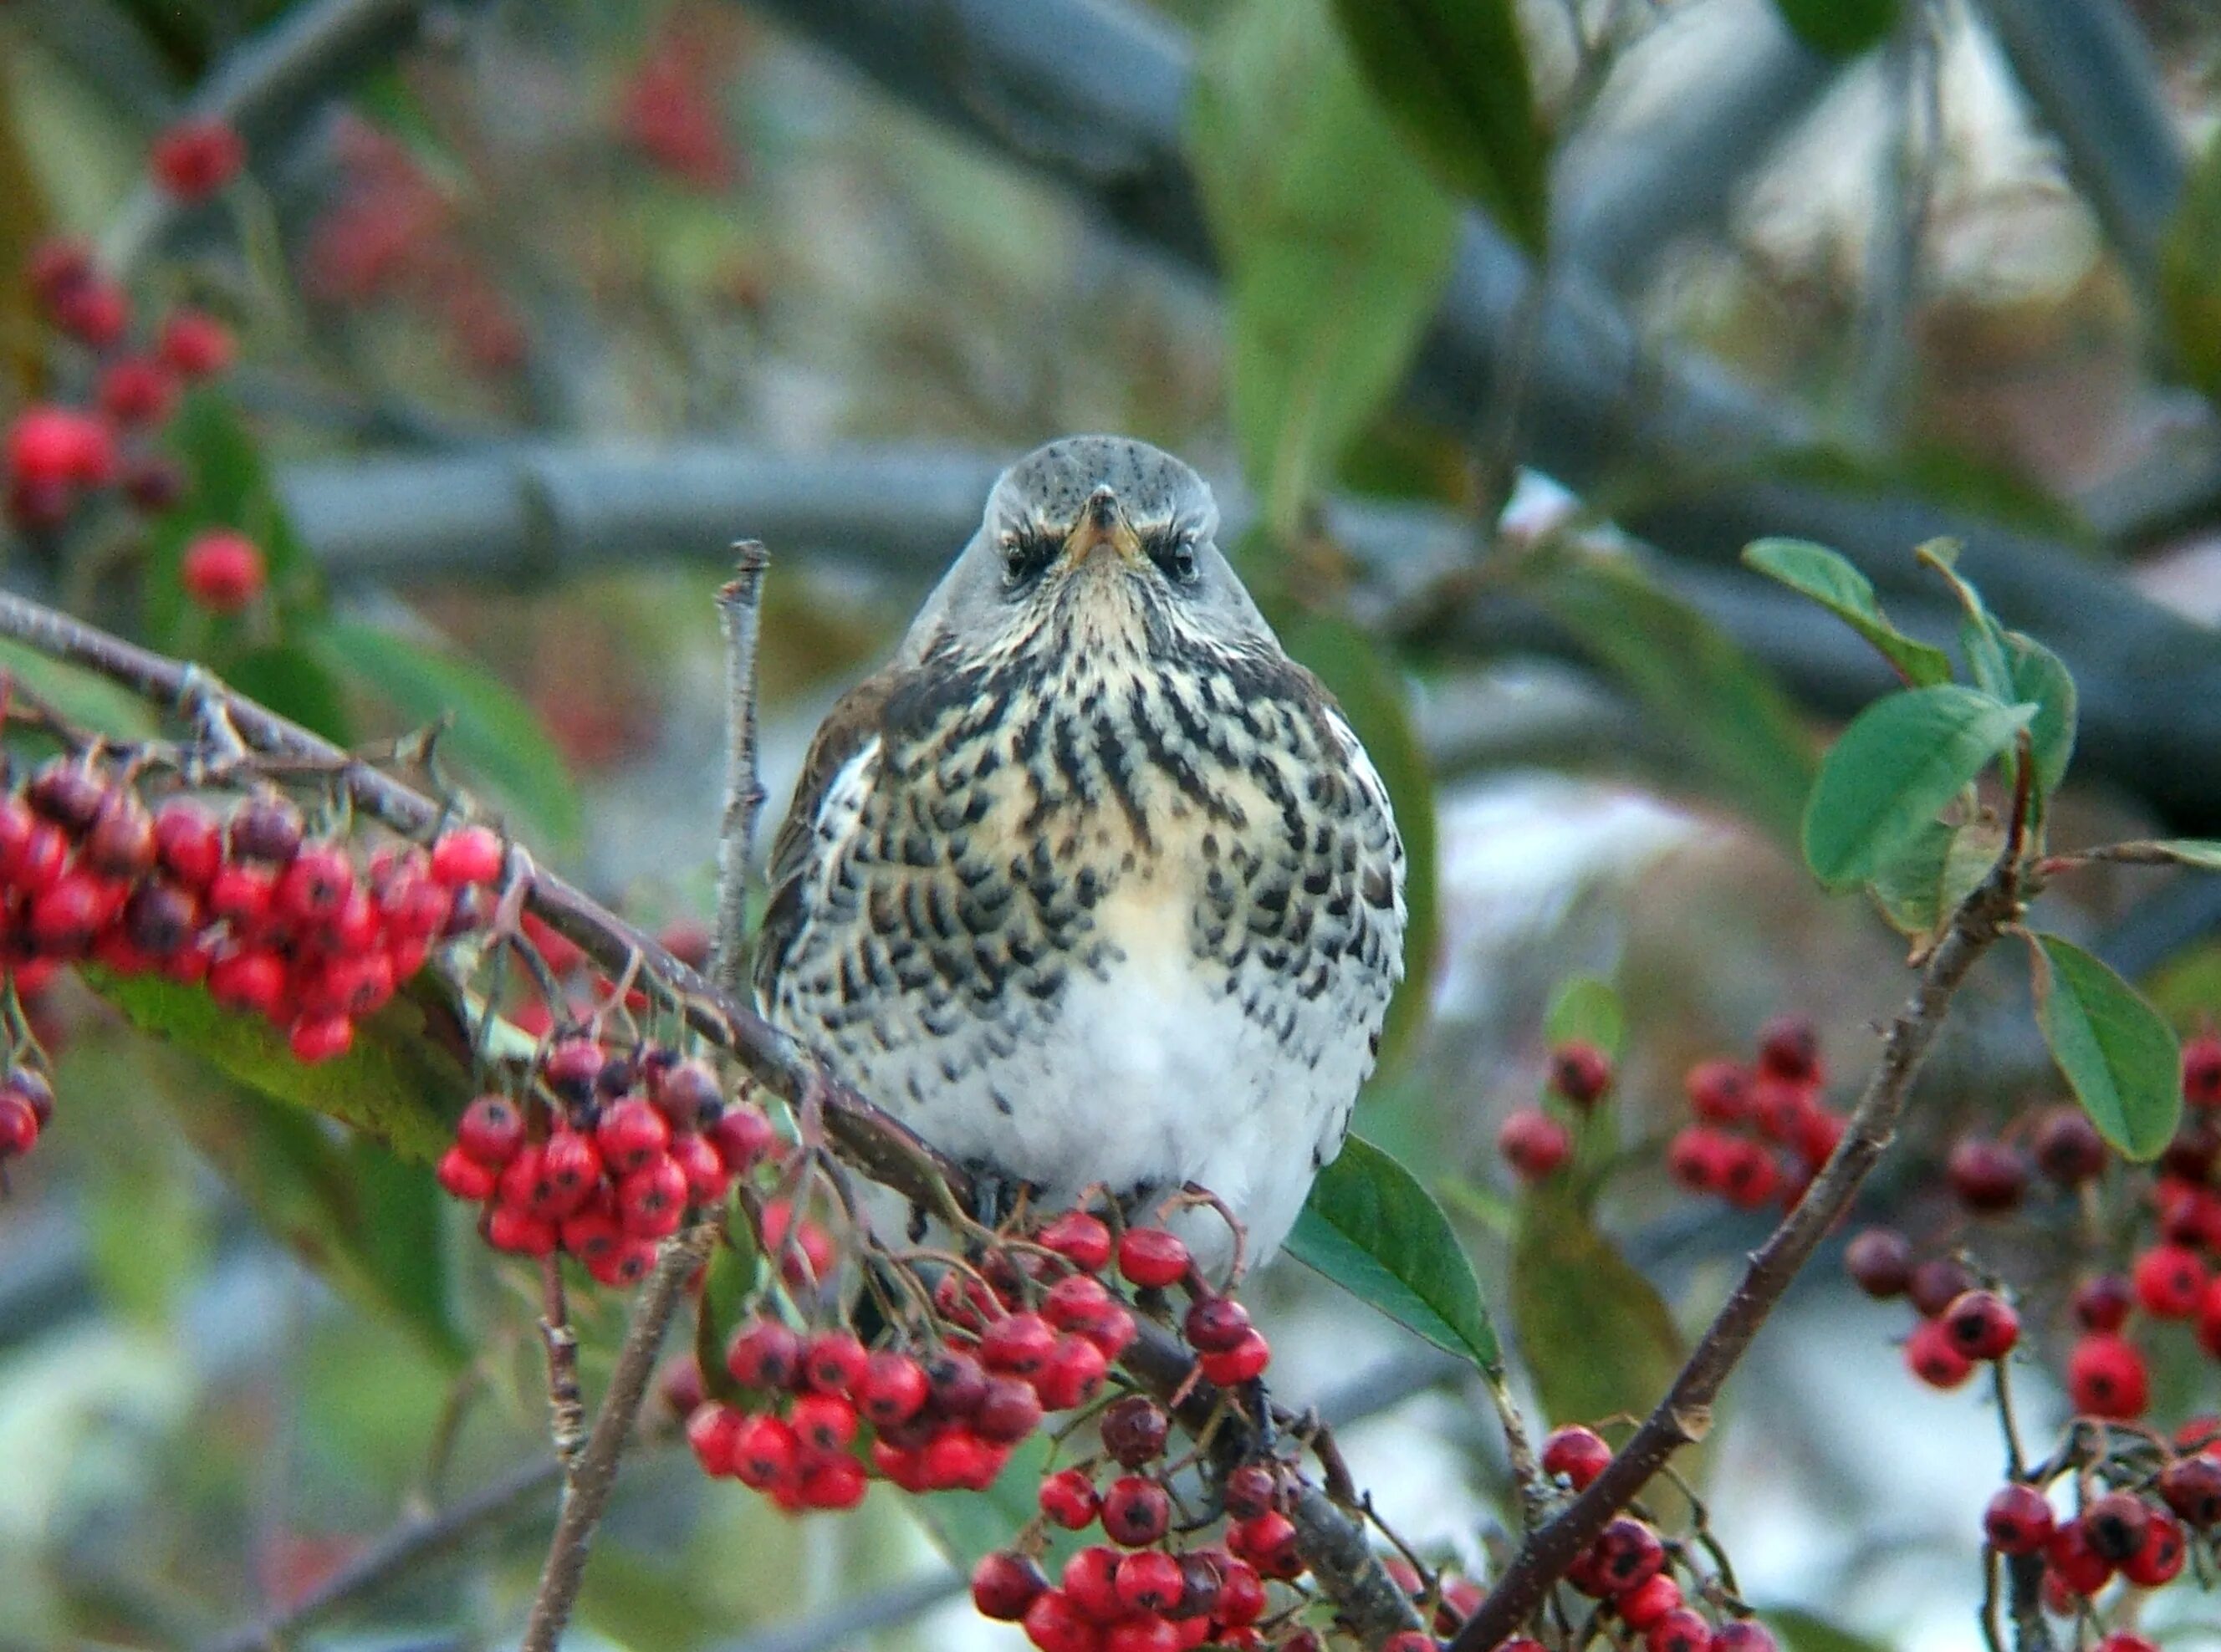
(853, 720)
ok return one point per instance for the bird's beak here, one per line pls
(1102, 526)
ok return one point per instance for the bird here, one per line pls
(1092, 885)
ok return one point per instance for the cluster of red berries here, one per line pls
(2170, 1279)
(1533, 1141)
(1629, 1570)
(273, 922)
(392, 235)
(55, 455)
(610, 1159)
(1762, 1130)
(2139, 1532)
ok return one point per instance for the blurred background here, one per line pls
(537, 307)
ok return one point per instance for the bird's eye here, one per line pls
(1026, 554)
(1174, 555)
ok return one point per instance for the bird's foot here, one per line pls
(995, 1194)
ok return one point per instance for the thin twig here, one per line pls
(567, 1405)
(397, 1554)
(1684, 1416)
(587, 1492)
(739, 611)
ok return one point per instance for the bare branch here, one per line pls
(740, 610)
(1684, 1416)
(587, 1492)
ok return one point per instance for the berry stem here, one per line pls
(1684, 1414)
(567, 1405)
(586, 1492)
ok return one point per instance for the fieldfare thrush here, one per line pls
(1092, 884)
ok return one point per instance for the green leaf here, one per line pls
(1361, 675)
(397, 1082)
(1920, 889)
(1453, 76)
(1585, 1008)
(2118, 1054)
(2203, 853)
(1335, 242)
(89, 701)
(1372, 1229)
(2190, 275)
(1829, 578)
(2037, 676)
(734, 1280)
(1893, 770)
(1839, 28)
(493, 734)
(1800, 1631)
(294, 684)
(1592, 1331)
(1689, 678)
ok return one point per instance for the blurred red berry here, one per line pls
(1930, 1356)
(1580, 1072)
(1980, 1324)
(2169, 1281)
(1879, 1262)
(1577, 1454)
(223, 571)
(195, 344)
(2106, 1377)
(1152, 1257)
(195, 158)
(1987, 1176)
(1533, 1143)
(137, 389)
(2018, 1521)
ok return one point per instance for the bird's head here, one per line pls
(1086, 540)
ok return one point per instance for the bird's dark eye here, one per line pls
(1174, 555)
(1026, 554)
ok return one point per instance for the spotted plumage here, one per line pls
(1093, 884)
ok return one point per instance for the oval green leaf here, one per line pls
(1893, 770)
(1829, 579)
(1372, 1229)
(2118, 1054)
(1585, 1008)
(2036, 676)
(2203, 853)
(1838, 28)
(1453, 76)
(1593, 1332)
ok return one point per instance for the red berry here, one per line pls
(2018, 1520)
(958, 1458)
(1987, 1176)
(570, 1169)
(1151, 1257)
(513, 1229)
(1930, 1356)
(1068, 1498)
(1135, 1511)
(19, 1126)
(223, 571)
(188, 842)
(1938, 1283)
(2067, 1146)
(135, 390)
(95, 312)
(1074, 1300)
(687, 1093)
(2102, 1302)
(823, 1422)
(1649, 1601)
(250, 981)
(1533, 1143)
(2107, 1378)
(2169, 1281)
(1789, 1047)
(159, 918)
(1981, 1325)
(766, 1452)
(2192, 1487)
(491, 1130)
(1249, 1491)
(1696, 1158)
(1053, 1625)
(1880, 1261)
(2201, 1070)
(196, 157)
(1134, 1430)
(1090, 1579)
(1580, 1072)
(1577, 1454)
(1719, 1092)
(835, 1362)
(2115, 1525)
(314, 886)
(56, 265)
(466, 855)
(1151, 1581)
(1018, 1344)
(893, 1389)
(631, 1135)
(1004, 1583)
(1749, 1175)
(1626, 1554)
(2158, 1560)
(464, 1177)
(1074, 1373)
(1268, 1541)
(764, 1354)
(711, 1431)
(1008, 1411)
(195, 344)
(1244, 1362)
(59, 445)
(956, 1383)
(1682, 1630)
(1082, 1240)
(2122, 1640)
(1241, 1597)
(652, 1201)
(1215, 1324)
(744, 1138)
